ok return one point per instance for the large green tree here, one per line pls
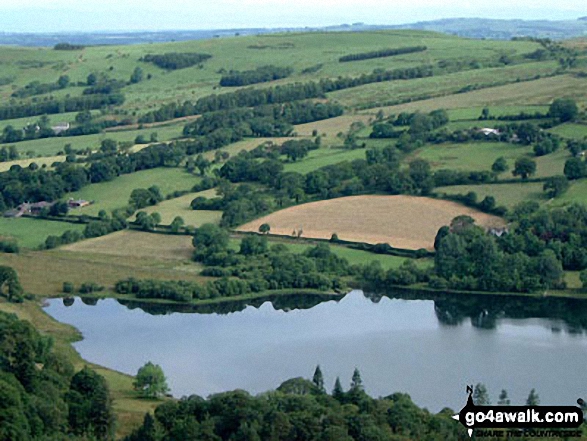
(150, 381)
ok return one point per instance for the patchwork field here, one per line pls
(374, 95)
(31, 233)
(536, 92)
(4, 166)
(402, 221)
(116, 193)
(136, 244)
(323, 157)
(181, 207)
(471, 157)
(504, 194)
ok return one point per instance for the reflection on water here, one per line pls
(430, 346)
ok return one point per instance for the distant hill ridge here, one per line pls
(464, 27)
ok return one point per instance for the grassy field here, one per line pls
(31, 233)
(473, 156)
(473, 113)
(570, 130)
(296, 50)
(577, 193)
(375, 95)
(105, 260)
(47, 161)
(52, 146)
(402, 221)
(116, 193)
(323, 157)
(528, 93)
(507, 195)
(181, 207)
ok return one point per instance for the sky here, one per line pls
(117, 15)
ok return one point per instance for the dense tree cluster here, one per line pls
(382, 53)
(68, 47)
(301, 410)
(42, 398)
(64, 105)
(176, 60)
(420, 125)
(262, 74)
(265, 121)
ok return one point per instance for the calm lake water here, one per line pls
(429, 347)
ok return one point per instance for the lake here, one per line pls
(429, 346)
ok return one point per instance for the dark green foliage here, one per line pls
(68, 47)
(533, 399)
(90, 405)
(524, 167)
(530, 257)
(175, 60)
(565, 109)
(54, 106)
(500, 165)
(39, 400)
(382, 53)
(137, 76)
(297, 410)
(480, 395)
(556, 186)
(279, 94)
(142, 197)
(150, 381)
(575, 168)
(9, 246)
(10, 287)
(318, 379)
(261, 74)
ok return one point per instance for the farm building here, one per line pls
(61, 127)
(78, 203)
(488, 131)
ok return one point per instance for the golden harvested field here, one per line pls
(137, 244)
(407, 222)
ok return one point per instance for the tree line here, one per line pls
(280, 94)
(298, 409)
(262, 74)
(64, 105)
(382, 53)
(175, 60)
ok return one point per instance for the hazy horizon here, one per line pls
(37, 16)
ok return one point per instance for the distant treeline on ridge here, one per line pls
(382, 53)
(261, 74)
(175, 60)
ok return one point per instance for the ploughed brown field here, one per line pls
(407, 222)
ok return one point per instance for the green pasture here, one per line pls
(116, 193)
(507, 195)
(379, 94)
(323, 157)
(31, 233)
(473, 156)
(570, 130)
